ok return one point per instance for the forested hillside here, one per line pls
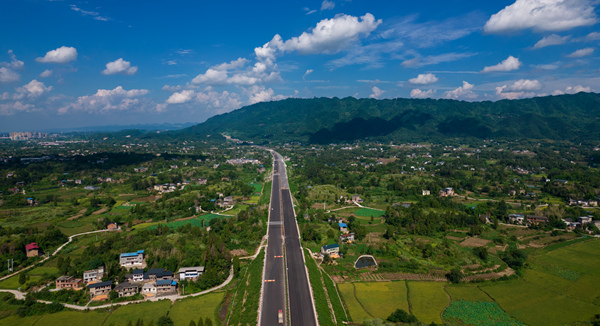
(326, 120)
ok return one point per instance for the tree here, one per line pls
(165, 321)
(455, 275)
(208, 322)
(22, 278)
(140, 322)
(481, 252)
(236, 265)
(401, 316)
(192, 323)
(112, 295)
(200, 322)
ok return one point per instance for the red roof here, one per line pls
(31, 246)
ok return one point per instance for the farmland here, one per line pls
(205, 306)
(427, 300)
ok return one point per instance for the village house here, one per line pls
(426, 192)
(516, 218)
(136, 276)
(356, 199)
(68, 282)
(112, 226)
(536, 219)
(332, 250)
(33, 250)
(348, 237)
(149, 289)
(126, 289)
(343, 227)
(99, 291)
(585, 219)
(93, 275)
(187, 273)
(140, 169)
(166, 286)
(446, 192)
(201, 181)
(155, 274)
(131, 259)
(78, 182)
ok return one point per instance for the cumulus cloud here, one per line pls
(33, 89)
(417, 93)
(119, 66)
(14, 62)
(376, 92)
(219, 75)
(551, 40)
(327, 5)
(542, 15)
(511, 63)
(221, 102)
(61, 55)
(581, 53)
(211, 77)
(8, 75)
(424, 79)
(46, 73)
(106, 100)
(500, 92)
(181, 97)
(520, 89)
(463, 92)
(328, 36)
(261, 94)
(572, 90)
(14, 107)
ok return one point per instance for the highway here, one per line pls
(282, 221)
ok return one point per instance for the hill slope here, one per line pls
(325, 120)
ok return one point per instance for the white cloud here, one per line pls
(181, 97)
(94, 14)
(419, 61)
(511, 63)
(8, 75)
(119, 66)
(417, 93)
(261, 94)
(423, 79)
(525, 85)
(327, 5)
(235, 64)
(512, 95)
(376, 92)
(14, 62)
(572, 90)
(46, 73)
(211, 77)
(311, 12)
(106, 100)
(593, 36)
(581, 53)
(61, 55)
(551, 40)
(33, 89)
(308, 72)
(463, 92)
(14, 107)
(221, 102)
(542, 15)
(328, 36)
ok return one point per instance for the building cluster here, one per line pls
(241, 161)
(150, 283)
(27, 135)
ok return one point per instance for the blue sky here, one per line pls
(66, 64)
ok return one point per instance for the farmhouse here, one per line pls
(166, 286)
(332, 249)
(446, 192)
(100, 289)
(155, 274)
(68, 282)
(136, 276)
(93, 275)
(190, 272)
(130, 259)
(356, 199)
(112, 226)
(348, 237)
(149, 289)
(33, 250)
(126, 289)
(343, 227)
(516, 218)
(426, 192)
(585, 219)
(536, 219)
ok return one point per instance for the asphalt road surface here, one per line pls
(301, 306)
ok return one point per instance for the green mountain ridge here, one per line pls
(329, 120)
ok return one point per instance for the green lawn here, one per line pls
(195, 308)
(428, 300)
(40, 271)
(367, 212)
(13, 282)
(147, 311)
(89, 318)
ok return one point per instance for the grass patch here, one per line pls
(380, 299)
(356, 311)
(478, 313)
(368, 212)
(41, 271)
(195, 308)
(89, 318)
(266, 195)
(427, 300)
(147, 311)
(335, 299)
(467, 293)
(244, 309)
(13, 282)
(319, 294)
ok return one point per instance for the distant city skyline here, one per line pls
(69, 64)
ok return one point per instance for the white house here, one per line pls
(190, 272)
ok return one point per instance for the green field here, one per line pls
(89, 318)
(13, 282)
(466, 293)
(40, 271)
(195, 308)
(367, 300)
(478, 313)
(147, 311)
(194, 221)
(367, 212)
(427, 300)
